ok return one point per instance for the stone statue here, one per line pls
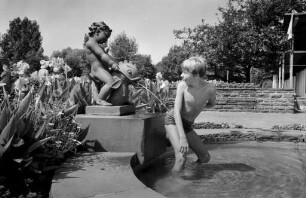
(100, 61)
(126, 75)
(111, 79)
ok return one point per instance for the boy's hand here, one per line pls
(184, 145)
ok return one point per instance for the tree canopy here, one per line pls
(144, 66)
(75, 58)
(123, 47)
(170, 64)
(22, 42)
(249, 35)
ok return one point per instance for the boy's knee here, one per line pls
(204, 158)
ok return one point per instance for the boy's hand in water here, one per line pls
(184, 145)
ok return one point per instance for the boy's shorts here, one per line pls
(169, 120)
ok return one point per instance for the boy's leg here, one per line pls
(174, 138)
(196, 144)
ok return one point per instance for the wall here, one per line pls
(253, 100)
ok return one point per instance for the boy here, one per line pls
(192, 95)
(100, 61)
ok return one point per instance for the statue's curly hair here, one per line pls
(96, 27)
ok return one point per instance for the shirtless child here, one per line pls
(100, 61)
(193, 94)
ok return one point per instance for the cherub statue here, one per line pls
(95, 44)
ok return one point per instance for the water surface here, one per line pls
(248, 169)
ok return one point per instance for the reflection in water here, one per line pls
(248, 169)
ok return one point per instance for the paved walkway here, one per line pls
(252, 120)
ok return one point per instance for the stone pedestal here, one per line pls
(110, 110)
(143, 134)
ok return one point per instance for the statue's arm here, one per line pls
(96, 49)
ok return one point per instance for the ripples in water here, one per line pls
(248, 169)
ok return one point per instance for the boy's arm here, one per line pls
(177, 116)
(95, 48)
(212, 99)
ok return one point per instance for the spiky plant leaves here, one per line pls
(25, 103)
(83, 91)
(134, 97)
(71, 111)
(3, 74)
(4, 117)
(41, 130)
(37, 145)
(65, 85)
(8, 132)
(41, 95)
(83, 133)
(72, 84)
(20, 125)
(57, 88)
(26, 124)
(8, 144)
(65, 94)
(25, 162)
(17, 142)
(2, 150)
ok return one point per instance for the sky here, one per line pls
(63, 23)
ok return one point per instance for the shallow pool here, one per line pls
(247, 169)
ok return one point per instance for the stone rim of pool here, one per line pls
(139, 190)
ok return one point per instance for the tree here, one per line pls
(123, 47)
(144, 66)
(170, 64)
(75, 58)
(22, 42)
(249, 35)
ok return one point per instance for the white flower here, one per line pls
(22, 67)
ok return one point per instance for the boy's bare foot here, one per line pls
(180, 160)
(103, 103)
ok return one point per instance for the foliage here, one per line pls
(296, 126)
(144, 66)
(149, 95)
(22, 42)
(249, 34)
(37, 133)
(210, 125)
(170, 64)
(75, 58)
(123, 47)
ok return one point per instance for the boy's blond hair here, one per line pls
(195, 65)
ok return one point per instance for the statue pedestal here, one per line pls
(110, 110)
(143, 134)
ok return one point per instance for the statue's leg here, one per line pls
(103, 94)
(102, 76)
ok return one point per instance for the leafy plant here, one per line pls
(150, 96)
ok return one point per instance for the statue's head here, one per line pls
(95, 28)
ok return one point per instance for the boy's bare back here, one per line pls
(195, 100)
